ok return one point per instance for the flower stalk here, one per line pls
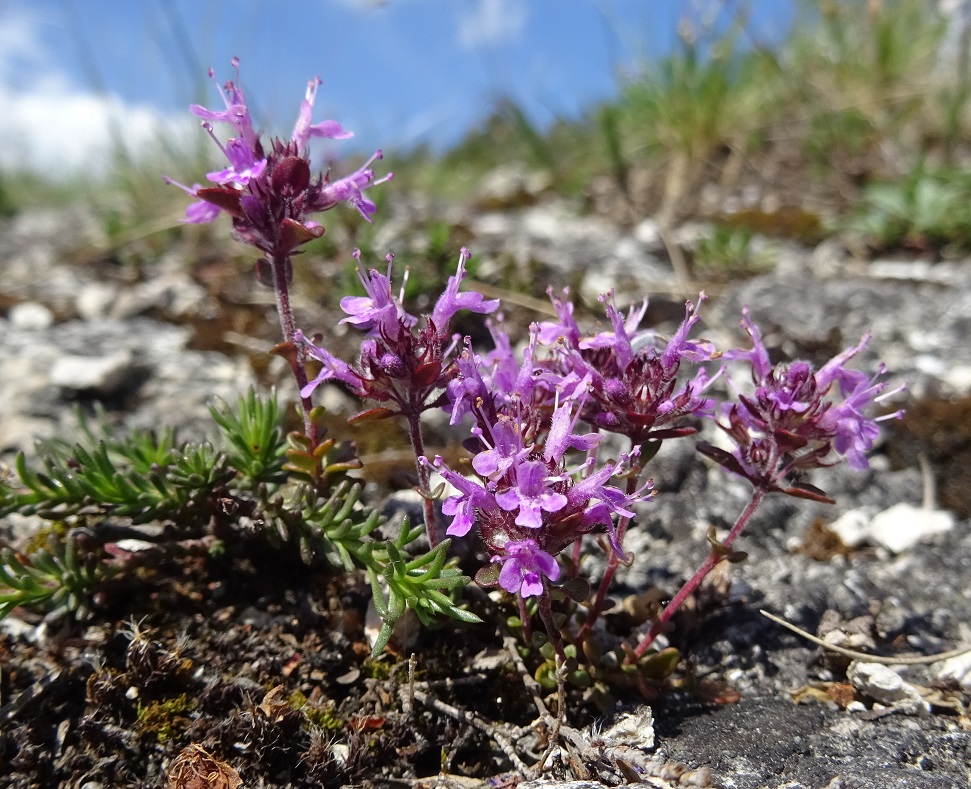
(270, 195)
(719, 553)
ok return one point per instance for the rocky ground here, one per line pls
(266, 667)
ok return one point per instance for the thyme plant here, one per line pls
(540, 489)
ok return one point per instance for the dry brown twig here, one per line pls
(902, 660)
(504, 734)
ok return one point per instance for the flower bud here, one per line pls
(392, 365)
(291, 174)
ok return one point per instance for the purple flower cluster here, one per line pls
(270, 194)
(529, 503)
(635, 388)
(799, 418)
(405, 365)
(530, 500)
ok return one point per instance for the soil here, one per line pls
(265, 666)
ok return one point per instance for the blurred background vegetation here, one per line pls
(857, 124)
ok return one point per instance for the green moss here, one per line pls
(324, 717)
(377, 669)
(786, 221)
(43, 538)
(165, 718)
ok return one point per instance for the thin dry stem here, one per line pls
(901, 660)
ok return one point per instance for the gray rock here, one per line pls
(885, 686)
(648, 233)
(94, 300)
(632, 730)
(140, 364)
(764, 742)
(957, 669)
(511, 186)
(170, 292)
(102, 376)
(918, 328)
(564, 243)
(895, 528)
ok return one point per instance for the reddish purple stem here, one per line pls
(699, 575)
(281, 288)
(424, 484)
(613, 562)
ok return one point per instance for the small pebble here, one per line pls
(30, 315)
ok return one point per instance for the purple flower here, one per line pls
(593, 488)
(332, 368)
(236, 113)
(531, 495)
(795, 389)
(835, 371)
(304, 129)
(635, 387)
(618, 340)
(524, 564)
(527, 424)
(379, 313)
(501, 361)
(200, 212)
(564, 421)
(451, 301)
(853, 432)
(598, 501)
(551, 332)
(505, 451)
(465, 506)
(351, 188)
(680, 348)
(758, 356)
(513, 386)
(798, 417)
(406, 363)
(244, 165)
(497, 382)
(467, 388)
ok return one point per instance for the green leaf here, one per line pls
(53, 578)
(659, 665)
(252, 433)
(384, 635)
(114, 478)
(577, 589)
(487, 576)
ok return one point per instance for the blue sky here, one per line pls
(396, 72)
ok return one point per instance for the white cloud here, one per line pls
(492, 22)
(54, 128)
(58, 133)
